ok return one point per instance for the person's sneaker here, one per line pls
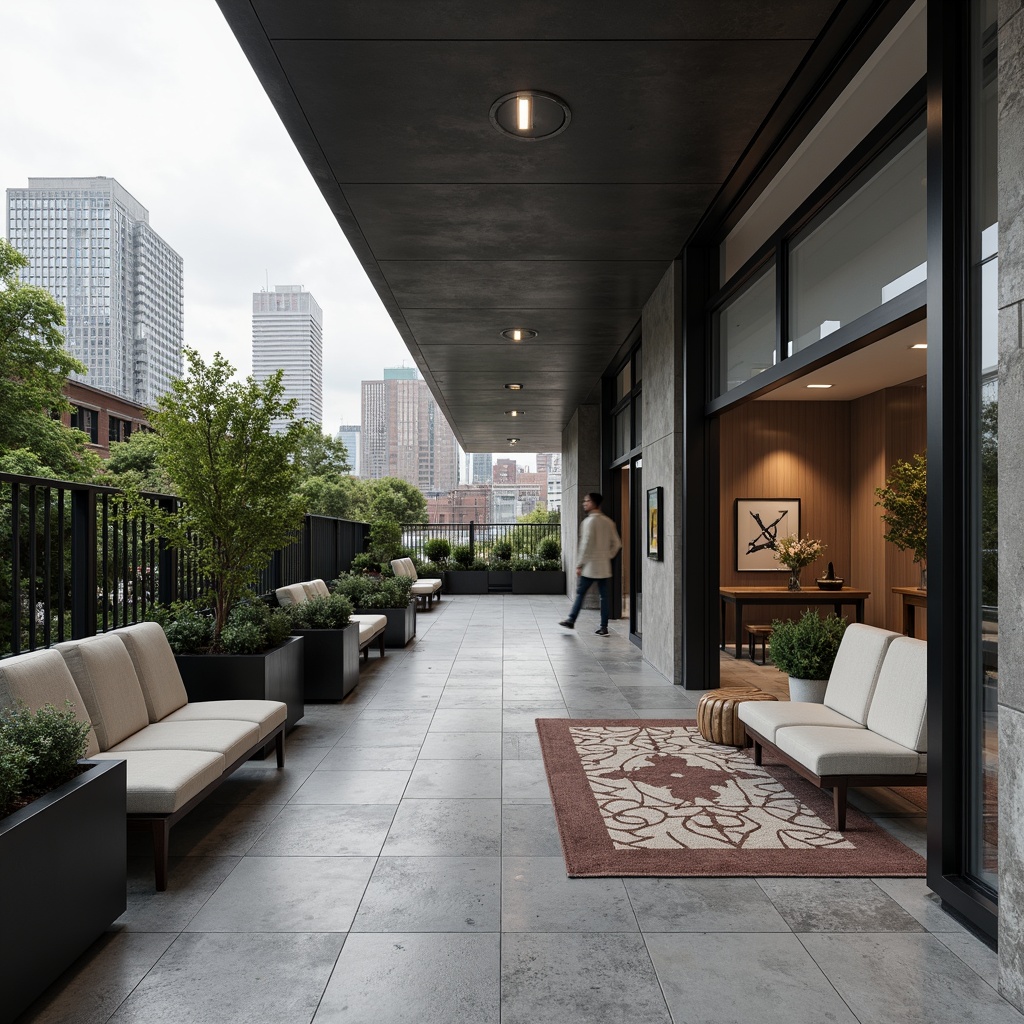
(601, 632)
(568, 624)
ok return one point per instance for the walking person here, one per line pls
(599, 544)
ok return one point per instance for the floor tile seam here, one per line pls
(973, 969)
(145, 974)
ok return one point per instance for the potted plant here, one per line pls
(499, 568)
(542, 574)
(805, 649)
(795, 554)
(382, 595)
(465, 574)
(62, 848)
(905, 501)
(331, 646)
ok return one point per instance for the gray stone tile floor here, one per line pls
(405, 867)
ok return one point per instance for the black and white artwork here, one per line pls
(760, 522)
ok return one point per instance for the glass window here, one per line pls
(623, 383)
(865, 252)
(620, 430)
(745, 330)
(638, 420)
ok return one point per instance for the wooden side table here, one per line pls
(755, 633)
(912, 599)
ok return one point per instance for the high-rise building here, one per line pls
(89, 243)
(483, 465)
(505, 471)
(350, 436)
(404, 433)
(287, 334)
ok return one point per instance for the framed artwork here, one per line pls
(654, 523)
(760, 522)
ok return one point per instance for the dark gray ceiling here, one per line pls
(464, 231)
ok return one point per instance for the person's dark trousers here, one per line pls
(603, 588)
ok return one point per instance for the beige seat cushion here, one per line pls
(369, 626)
(321, 588)
(404, 567)
(854, 675)
(899, 708)
(39, 678)
(290, 595)
(267, 715)
(156, 668)
(767, 717)
(425, 587)
(105, 677)
(232, 739)
(310, 590)
(161, 781)
(826, 750)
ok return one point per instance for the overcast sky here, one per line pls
(157, 94)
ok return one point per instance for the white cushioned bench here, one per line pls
(371, 627)
(425, 591)
(127, 685)
(871, 729)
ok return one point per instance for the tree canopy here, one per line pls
(137, 464)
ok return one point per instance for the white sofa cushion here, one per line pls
(310, 589)
(321, 588)
(156, 668)
(232, 739)
(266, 715)
(826, 750)
(899, 708)
(404, 567)
(105, 677)
(290, 595)
(768, 716)
(854, 675)
(425, 587)
(161, 781)
(369, 626)
(42, 677)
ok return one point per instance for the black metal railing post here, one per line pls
(83, 563)
(167, 563)
(472, 540)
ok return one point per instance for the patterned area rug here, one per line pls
(654, 798)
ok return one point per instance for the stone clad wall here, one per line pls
(581, 472)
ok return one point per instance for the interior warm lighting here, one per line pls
(515, 412)
(513, 387)
(512, 440)
(819, 385)
(524, 112)
(920, 344)
(518, 333)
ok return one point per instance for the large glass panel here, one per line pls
(620, 430)
(745, 329)
(623, 383)
(864, 253)
(983, 778)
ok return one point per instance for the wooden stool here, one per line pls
(762, 633)
(717, 714)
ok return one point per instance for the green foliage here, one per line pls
(385, 539)
(478, 565)
(273, 624)
(188, 630)
(541, 515)
(501, 551)
(236, 478)
(806, 648)
(365, 562)
(374, 591)
(137, 464)
(34, 365)
(14, 765)
(320, 455)
(549, 549)
(549, 564)
(331, 612)
(438, 550)
(905, 500)
(53, 740)
(243, 638)
(326, 496)
(462, 556)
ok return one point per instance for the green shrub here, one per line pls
(478, 565)
(462, 556)
(374, 591)
(243, 638)
(549, 549)
(438, 550)
(364, 562)
(14, 764)
(501, 551)
(549, 564)
(331, 612)
(500, 565)
(188, 631)
(252, 627)
(523, 563)
(806, 648)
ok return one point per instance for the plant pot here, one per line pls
(401, 627)
(541, 581)
(499, 581)
(465, 581)
(807, 691)
(330, 662)
(65, 864)
(273, 675)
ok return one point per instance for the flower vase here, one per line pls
(794, 580)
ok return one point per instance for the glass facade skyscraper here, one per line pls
(89, 243)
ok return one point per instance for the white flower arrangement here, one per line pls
(795, 553)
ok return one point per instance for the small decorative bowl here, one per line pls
(836, 584)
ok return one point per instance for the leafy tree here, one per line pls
(542, 516)
(237, 480)
(137, 464)
(34, 366)
(323, 496)
(390, 498)
(320, 455)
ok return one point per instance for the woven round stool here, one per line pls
(718, 714)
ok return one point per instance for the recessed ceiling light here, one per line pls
(920, 344)
(529, 115)
(819, 385)
(512, 440)
(518, 334)
(515, 412)
(513, 387)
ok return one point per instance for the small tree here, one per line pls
(236, 479)
(905, 500)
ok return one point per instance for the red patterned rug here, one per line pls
(654, 798)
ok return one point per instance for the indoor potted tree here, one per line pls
(331, 646)
(805, 649)
(904, 499)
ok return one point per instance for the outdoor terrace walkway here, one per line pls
(405, 867)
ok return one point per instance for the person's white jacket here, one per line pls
(599, 544)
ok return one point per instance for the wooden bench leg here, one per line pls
(757, 752)
(839, 805)
(382, 645)
(161, 851)
(279, 745)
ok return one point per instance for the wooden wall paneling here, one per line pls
(868, 467)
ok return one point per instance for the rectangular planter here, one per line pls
(273, 675)
(539, 582)
(465, 581)
(64, 861)
(331, 662)
(401, 627)
(499, 581)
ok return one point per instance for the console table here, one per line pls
(741, 596)
(912, 598)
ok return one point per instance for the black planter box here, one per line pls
(465, 581)
(401, 627)
(273, 675)
(331, 662)
(543, 581)
(499, 581)
(64, 864)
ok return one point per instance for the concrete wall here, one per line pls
(662, 446)
(1011, 496)
(581, 472)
